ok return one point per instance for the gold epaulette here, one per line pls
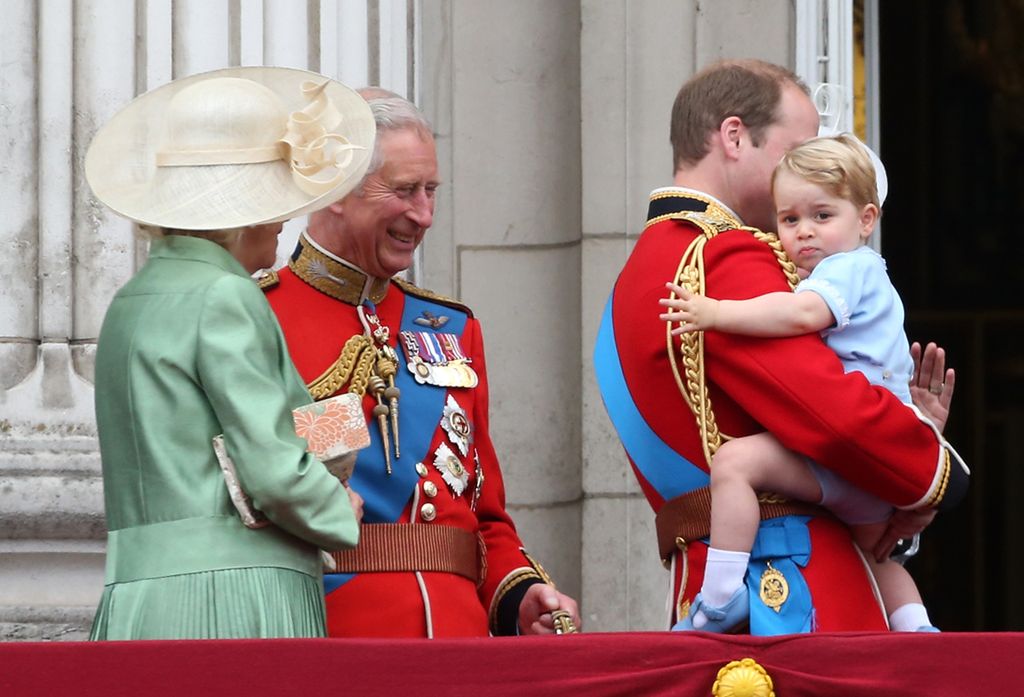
(692, 378)
(267, 280)
(712, 219)
(418, 292)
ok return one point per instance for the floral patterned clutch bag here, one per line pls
(334, 429)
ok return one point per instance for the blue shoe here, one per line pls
(722, 620)
(928, 628)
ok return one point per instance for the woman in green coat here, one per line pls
(189, 349)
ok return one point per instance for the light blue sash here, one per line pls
(667, 471)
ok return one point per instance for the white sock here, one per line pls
(723, 574)
(909, 617)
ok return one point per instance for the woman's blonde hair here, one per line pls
(839, 164)
(225, 238)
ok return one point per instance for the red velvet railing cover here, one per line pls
(629, 663)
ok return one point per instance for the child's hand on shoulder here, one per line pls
(692, 312)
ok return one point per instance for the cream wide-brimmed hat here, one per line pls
(232, 148)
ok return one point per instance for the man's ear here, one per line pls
(730, 135)
(335, 207)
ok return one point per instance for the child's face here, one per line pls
(814, 223)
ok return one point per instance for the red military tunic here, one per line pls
(318, 315)
(795, 388)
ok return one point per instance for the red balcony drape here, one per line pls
(628, 663)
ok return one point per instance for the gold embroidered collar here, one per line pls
(681, 203)
(335, 276)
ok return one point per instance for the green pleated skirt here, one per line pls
(255, 602)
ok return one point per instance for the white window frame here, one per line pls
(824, 60)
(824, 56)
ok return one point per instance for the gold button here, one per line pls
(430, 489)
(421, 469)
(428, 512)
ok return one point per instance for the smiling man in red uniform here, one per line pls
(672, 403)
(438, 554)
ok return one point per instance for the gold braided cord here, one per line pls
(772, 240)
(340, 372)
(691, 275)
(363, 370)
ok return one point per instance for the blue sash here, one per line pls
(785, 542)
(667, 471)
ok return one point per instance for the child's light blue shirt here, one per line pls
(868, 333)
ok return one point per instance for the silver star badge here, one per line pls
(453, 472)
(456, 424)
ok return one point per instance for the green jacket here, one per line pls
(190, 349)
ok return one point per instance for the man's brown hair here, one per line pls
(750, 89)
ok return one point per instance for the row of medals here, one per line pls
(455, 422)
(450, 374)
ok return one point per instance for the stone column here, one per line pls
(72, 257)
(501, 86)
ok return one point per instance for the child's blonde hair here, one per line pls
(839, 164)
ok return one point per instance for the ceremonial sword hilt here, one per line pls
(563, 622)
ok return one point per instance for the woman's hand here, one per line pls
(357, 502)
(931, 385)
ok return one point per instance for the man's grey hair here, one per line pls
(394, 113)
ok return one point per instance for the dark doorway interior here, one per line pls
(952, 111)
